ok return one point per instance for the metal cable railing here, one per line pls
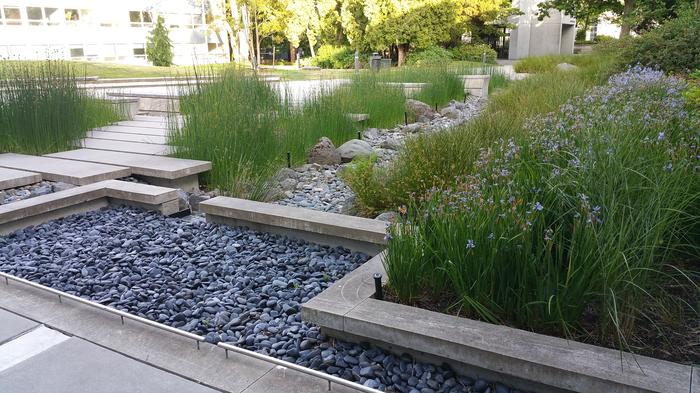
(197, 338)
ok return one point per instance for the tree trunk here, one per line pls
(292, 53)
(249, 38)
(311, 46)
(257, 33)
(625, 26)
(402, 50)
(230, 47)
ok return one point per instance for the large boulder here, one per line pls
(451, 112)
(354, 148)
(323, 153)
(566, 67)
(424, 113)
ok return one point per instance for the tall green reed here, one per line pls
(42, 108)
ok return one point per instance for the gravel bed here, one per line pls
(319, 187)
(228, 284)
(30, 191)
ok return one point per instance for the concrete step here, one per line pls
(127, 147)
(67, 171)
(155, 119)
(163, 171)
(12, 178)
(135, 130)
(136, 123)
(117, 136)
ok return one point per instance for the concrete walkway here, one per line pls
(37, 359)
(103, 355)
(67, 171)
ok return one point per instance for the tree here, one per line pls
(409, 24)
(159, 49)
(633, 15)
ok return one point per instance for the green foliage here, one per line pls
(674, 46)
(337, 57)
(431, 55)
(603, 39)
(442, 82)
(417, 24)
(159, 48)
(692, 94)
(575, 224)
(42, 109)
(437, 159)
(473, 52)
(239, 123)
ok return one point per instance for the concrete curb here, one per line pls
(38, 210)
(525, 359)
(355, 233)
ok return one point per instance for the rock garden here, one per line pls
(228, 284)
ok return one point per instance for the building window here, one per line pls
(12, 16)
(139, 52)
(140, 18)
(35, 16)
(72, 15)
(212, 46)
(77, 52)
(52, 16)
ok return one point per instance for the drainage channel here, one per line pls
(194, 337)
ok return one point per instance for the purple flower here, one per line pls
(387, 237)
(662, 136)
(470, 244)
(538, 206)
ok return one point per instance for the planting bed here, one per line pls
(229, 284)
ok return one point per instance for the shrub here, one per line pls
(674, 46)
(572, 228)
(431, 55)
(473, 52)
(692, 94)
(43, 110)
(603, 39)
(337, 57)
(159, 49)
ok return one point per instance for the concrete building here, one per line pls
(532, 37)
(605, 26)
(101, 30)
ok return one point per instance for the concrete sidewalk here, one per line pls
(143, 358)
(34, 358)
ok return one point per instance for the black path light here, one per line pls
(405, 117)
(289, 159)
(378, 291)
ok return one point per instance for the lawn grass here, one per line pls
(42, 109)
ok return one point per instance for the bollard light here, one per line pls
(359, 135)
(289, 159)
(405, 117)
(378, 291)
